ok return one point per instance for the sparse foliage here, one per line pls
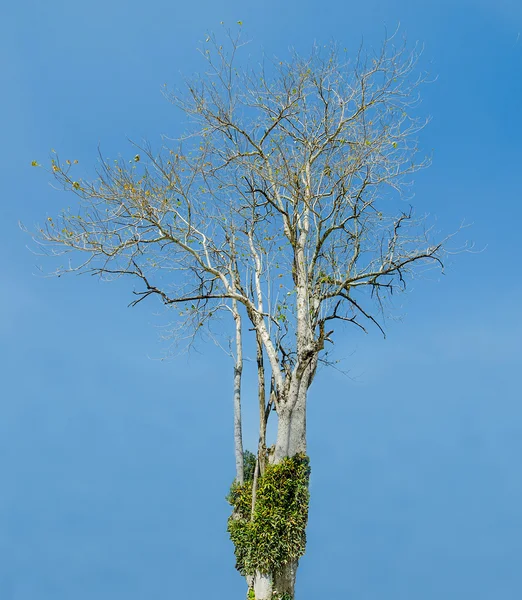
(285, 205)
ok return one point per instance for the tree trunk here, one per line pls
(238, 370)
(263, 586)
(291, 440)
(291, 427)
(297, 437)
(281, 583)
(284, 581)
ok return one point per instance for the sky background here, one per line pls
(114, 464)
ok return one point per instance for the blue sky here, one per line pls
(416, 485)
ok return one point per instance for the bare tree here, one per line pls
(285, 205)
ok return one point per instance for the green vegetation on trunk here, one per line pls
(275, 533)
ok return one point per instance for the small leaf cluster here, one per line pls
(275, 534)
(249, 461)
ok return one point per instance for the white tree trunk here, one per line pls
(297, 436)
(291, 440)
(263, 586)
(291, 427)
(238, 370)
(284, 581)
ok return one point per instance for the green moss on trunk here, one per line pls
(276, 533)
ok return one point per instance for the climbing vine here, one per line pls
(274, 534)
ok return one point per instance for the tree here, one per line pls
(284, 206)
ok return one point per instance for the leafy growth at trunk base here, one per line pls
(275, 534)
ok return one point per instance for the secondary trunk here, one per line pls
(238, 370)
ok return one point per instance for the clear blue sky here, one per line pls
(417, 479)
